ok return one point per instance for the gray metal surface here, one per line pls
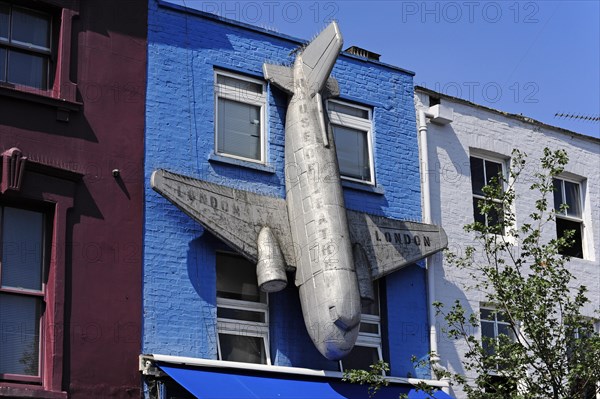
(325, 275)
(390, 244)
(238, 216)
(317, 237)
(234, 216)
(270, 268)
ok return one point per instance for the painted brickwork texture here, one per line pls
(184, 49)
(480, 132)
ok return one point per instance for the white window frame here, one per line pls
(492, 309)
(487, 158)
(370, 340)
(243, 327)
(595, 330)
(366, 344)
(354, 122)
(244, 97)
(496, 322)
(565, 216)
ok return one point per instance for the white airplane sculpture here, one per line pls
(335, 253)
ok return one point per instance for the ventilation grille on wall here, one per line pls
(361, 52)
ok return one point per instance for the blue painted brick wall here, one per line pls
(184, 48)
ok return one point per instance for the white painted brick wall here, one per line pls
(476, 128)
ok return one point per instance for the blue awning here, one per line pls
(211, 384)
(414, 394)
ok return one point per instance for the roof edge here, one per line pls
(518, 117)
(254, 28)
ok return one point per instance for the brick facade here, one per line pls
(87, 122)
(477, 130)
(185, 47)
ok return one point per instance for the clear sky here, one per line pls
(535, 58)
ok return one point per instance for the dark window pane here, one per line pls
(585, 388)
(238, 129)
(500, 317)
(345, 109)
(27, 69)
(373, 307)
(4, 10)
(493, 170)
(487, 314)
(477, 216)
(238, 314)
(505, 329)
(369, 328)
(477, 175)
(498, 384)
(238, 348)
(22, 249)
(19, 334)
(481, 178)
(573, 199)
(487, 335)
(360, 358)
(236, 279)
(2, 65)
(241, 85)
(352, 152)
(487, 329)
(558, 196)
(495, 217)
(30, 28)
(563, 225)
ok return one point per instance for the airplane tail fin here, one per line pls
(319, 56)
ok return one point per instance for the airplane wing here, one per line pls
(234, 216)
(281, 76)
(390, 244)
(237, 216)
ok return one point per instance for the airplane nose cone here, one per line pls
(333, 342)
(331, 307)
(339, 343)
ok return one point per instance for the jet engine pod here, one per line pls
(270, 269)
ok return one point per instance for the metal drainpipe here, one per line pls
(424, 155)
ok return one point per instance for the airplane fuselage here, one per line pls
(325, 276)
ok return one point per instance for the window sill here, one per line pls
(363, 187)
(238, 162)
(578, 259)
(63, 107)
(21, 391)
